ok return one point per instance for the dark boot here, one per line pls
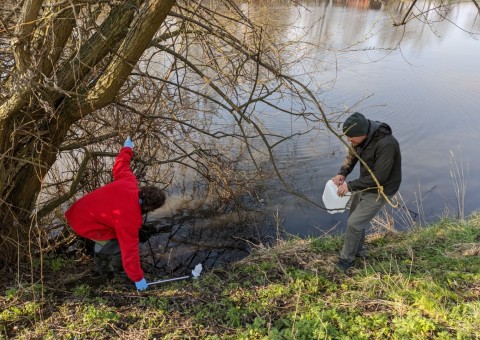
(362, 253)
(106, 258)
(103, 265)
(343, 265)
(117, 264)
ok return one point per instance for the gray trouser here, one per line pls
(363, 208)
(108, 258)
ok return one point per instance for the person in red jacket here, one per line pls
(111, 216)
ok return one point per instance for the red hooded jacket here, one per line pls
(113, 212)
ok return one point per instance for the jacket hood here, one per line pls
(378, 129)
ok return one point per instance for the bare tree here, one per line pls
(182, 78)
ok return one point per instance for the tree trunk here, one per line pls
(23, 170)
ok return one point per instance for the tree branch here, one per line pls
(95, 48)
(143, 29)
(55, 37)
(23, 34)
(403, 22)
(476, 5)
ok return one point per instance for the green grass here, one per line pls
(423, 283)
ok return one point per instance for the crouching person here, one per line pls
(111, 216)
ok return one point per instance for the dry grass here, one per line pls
(464, 250)
(417, 284)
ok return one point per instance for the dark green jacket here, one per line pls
(381, 152)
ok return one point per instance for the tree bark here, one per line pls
(23, 33)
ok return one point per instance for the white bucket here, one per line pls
(332, 201)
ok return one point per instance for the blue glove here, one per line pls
(141, 285)
(128, 143)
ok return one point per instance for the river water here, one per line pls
(423, 80)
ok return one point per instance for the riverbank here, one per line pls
(423, 283)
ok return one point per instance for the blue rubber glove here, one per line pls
(128, 143)
(141, 285)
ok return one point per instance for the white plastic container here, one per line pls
(333, 202)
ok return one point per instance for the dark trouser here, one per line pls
(108, 258)
(363, 208)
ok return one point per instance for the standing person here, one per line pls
(111, 216)
(375, 145)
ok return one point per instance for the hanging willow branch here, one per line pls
(476, 5)
(404, 20)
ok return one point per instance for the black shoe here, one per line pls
(109, 276)
(343, 265)
(106, 276)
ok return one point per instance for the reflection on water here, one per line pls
(422, 79)
(187, 238)
(361, 4)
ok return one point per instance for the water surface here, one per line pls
(424, 81)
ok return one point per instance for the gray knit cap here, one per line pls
(356, 125)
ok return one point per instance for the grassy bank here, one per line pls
(421, 284)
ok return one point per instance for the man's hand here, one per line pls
(141, 285)
(128, 143)
(338, 180)
(342, 190)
